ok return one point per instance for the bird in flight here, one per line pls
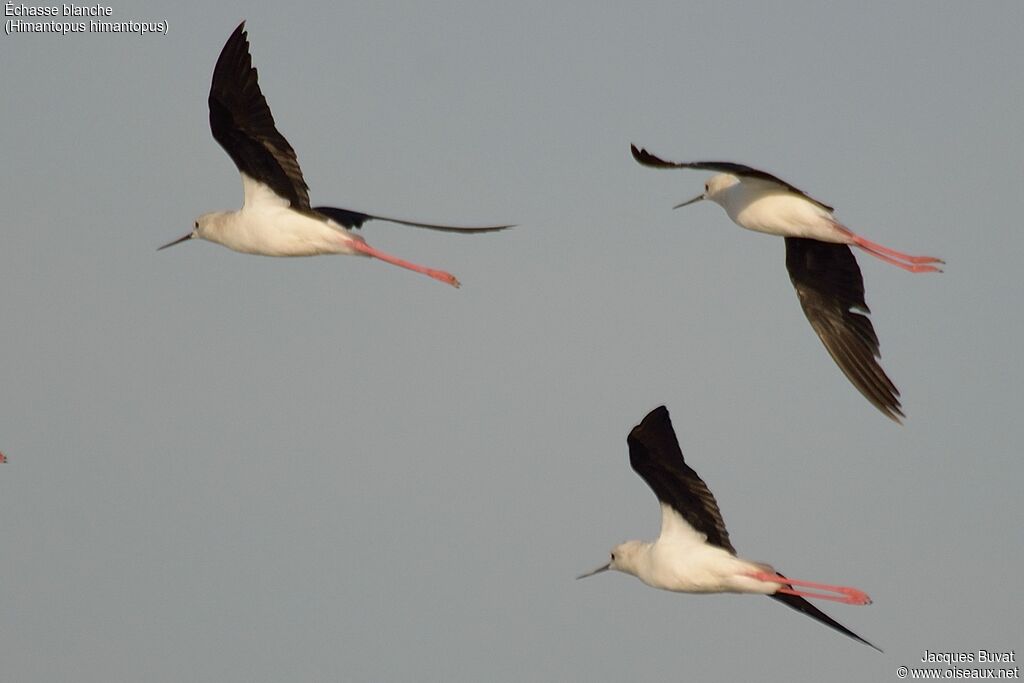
(821, 265)
(276, 218)
(693, 554)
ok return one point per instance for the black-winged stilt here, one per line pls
(276, 218)
(821, 266)
(693, 554)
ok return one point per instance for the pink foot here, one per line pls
(3, 458)
(444, 277)
(844, 594)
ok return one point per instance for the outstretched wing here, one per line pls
(647, 159)
(243, 125)
(655, 455)
(831, 292)
(802, 605)
(355, 219)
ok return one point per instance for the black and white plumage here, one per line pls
(276, 218)
(821, 265)
(693, 553)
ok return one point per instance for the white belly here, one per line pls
(279, 231)
(703, 569)
(786, 215)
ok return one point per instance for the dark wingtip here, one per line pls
(799, 604)
(645, 158)
(887, 403)
(659, 416)
(238, 33)
(640, 154)
(875, 386)
(355, 219)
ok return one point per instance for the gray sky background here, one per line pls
(232, 468)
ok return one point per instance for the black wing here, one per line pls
(801, 605)
(655, 455)
(831, 292)
(647, 159)
(354, 220)
(243, 125)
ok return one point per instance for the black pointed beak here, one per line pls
(177, 241)
(688, 202)
(602, 568)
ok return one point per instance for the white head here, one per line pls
(714, 189)
(204, 228)
(624, 559)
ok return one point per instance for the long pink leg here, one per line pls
(879, 251)
(365, 248)
(844, 594)
(876, 247)
(913, 268)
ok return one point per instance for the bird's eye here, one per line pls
(197, 224)
(613, 557)
(706, 187)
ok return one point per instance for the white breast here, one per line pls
(779, 213)
(689, 568)
(279, 231)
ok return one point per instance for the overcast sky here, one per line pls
(234, 468)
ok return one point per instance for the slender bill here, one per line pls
(600, 569)
(690, 201)
(178, 241)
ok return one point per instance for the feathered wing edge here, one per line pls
(354, 220)
(801, 605)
